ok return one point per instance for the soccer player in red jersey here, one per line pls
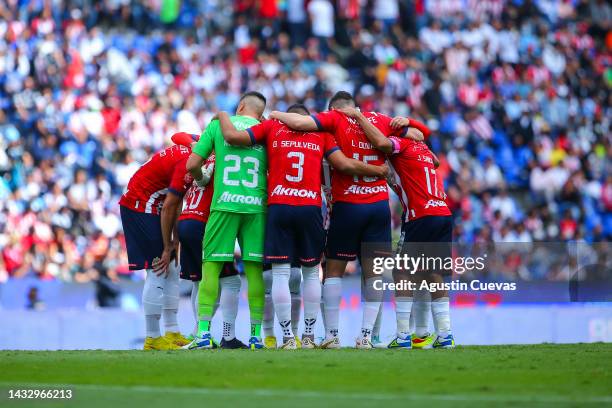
(149, 210)
(428, 220)
(294, 228)
(360, 212)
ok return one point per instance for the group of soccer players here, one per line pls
(259, 182)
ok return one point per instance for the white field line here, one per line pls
(340, 395)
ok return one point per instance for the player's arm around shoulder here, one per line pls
(232, 135)
(374, 135)
(200, 152)
(355, 167)
(296, 121)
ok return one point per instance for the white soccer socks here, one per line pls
(194, 304)
(228, 300)
(312, 298)
(281, 297)
(332, 294)
(440, 310)
(171, 299)
(371, 306)
(403, 307)
(152, 302)
(421, 310)
(295, 283)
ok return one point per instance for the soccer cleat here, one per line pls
(190, 337)
(200, 343)
(446, 342)
(255, 343)
(159, 343)
(298, 343)
(331, 343)
(399, 343)
(363, 343)
(377, 343)
(177, 338)
(270, 342)
(232, 344)
(423, 342)
(289, 344)
(308, 343)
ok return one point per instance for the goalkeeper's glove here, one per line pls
(207, 172)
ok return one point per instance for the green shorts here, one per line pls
(222, 230)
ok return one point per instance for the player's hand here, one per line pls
(415, 134)
(399, 122)
(160, 265)
(384, 171)
(350, 112)
(273, 115)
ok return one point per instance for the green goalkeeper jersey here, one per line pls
(240, 171)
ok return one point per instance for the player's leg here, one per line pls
(170, 306)
(230, 290)
(421, 312)
(310, 243)
(278, 250)
(267, 324)
(295, 288)
(251, 240)
(342, 246)
(144, 243)
(376, 237)
(441, 229)
(376, 341)
(219, 238)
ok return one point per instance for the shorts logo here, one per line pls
(355, 189)
(294, 192)
(435, 203)
(239, 198)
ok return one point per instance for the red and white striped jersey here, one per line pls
(165, 172)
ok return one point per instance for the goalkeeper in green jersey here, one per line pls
(237, 212)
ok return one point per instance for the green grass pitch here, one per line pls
(574, 375)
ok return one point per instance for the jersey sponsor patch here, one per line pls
(228, 197)
(435, 203)
(356, 189)
(294, 192)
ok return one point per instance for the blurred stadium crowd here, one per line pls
(518, 92)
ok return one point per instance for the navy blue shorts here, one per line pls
(294, 233)
(143, 237)
(352, 224)
(191, 235)
(430, 237)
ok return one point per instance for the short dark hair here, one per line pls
(299, 108)
(255, 94)
(340, 100)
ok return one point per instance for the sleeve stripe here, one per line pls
(317, 122)
(332, 150)
(175, 192)
(252, 136)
